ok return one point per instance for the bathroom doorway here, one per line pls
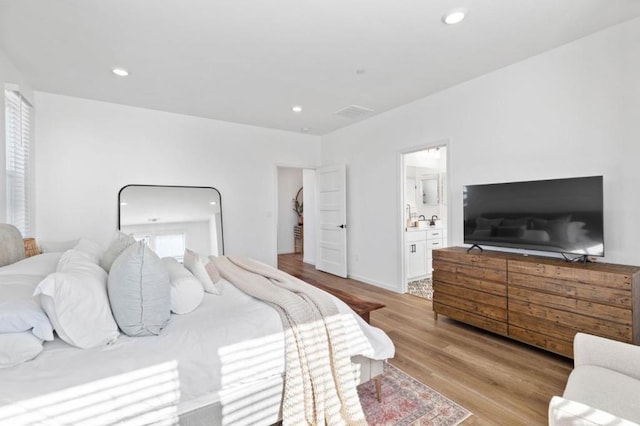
(425, 214)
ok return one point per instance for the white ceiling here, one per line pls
(250, 61)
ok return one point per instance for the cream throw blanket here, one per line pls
(319, 385)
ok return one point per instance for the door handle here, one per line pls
(342, 226)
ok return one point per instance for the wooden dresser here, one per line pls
(471, 289)
(537, 300)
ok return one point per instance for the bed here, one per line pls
(221, 364)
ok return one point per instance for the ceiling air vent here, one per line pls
(353, 111)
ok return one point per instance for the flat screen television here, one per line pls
(556, 215)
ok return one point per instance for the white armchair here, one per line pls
(603, 388)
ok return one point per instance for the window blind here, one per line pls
(18, 123)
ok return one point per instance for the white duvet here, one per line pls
(231, 341)
(20, 310)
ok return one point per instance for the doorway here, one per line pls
(290, 209)
(425, 214)
(295, 217)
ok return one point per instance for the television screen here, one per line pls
(558, 215)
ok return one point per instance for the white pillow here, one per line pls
(139, 291)
(20, 310)
(72, 256)
(118, 244)
(16, 348)
(57, 246)
(91, 249)
(193, 262)
(186, 291)
(75, 299)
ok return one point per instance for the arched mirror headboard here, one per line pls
(172, 218)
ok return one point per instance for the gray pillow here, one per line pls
(139, 291)
(12, 249)
(119, 243)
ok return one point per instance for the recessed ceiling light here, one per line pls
(213, 203)
(296, 108)
(454, 16)
(120, 71)
(305, 129)
(124, 203)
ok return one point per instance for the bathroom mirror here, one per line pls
(430, 186)
(172, 218)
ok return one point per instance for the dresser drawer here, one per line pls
(596, 274)
(572, 290)
(472, 260)
(496, 275)
(466, 281)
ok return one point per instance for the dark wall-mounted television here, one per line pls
(556, 215)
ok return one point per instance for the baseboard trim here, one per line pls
(374, 283)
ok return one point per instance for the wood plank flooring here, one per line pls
(501, 381)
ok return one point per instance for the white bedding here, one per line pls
(40, 265)
(19, 309)
(228, 343)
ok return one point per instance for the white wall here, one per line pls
(87, 150)
(572, 111)
(289, 182)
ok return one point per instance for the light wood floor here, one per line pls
(501, 381)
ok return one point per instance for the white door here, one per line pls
(331, 199)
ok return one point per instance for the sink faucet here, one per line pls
(421, 217)
(433, 220)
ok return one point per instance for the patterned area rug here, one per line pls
(406, 401)
(421, 288)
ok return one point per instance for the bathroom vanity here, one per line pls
(419, 244)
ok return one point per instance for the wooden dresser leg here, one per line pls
(378, 381)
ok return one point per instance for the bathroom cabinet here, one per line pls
(416, 254)
(419, 244)
(435, 240)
